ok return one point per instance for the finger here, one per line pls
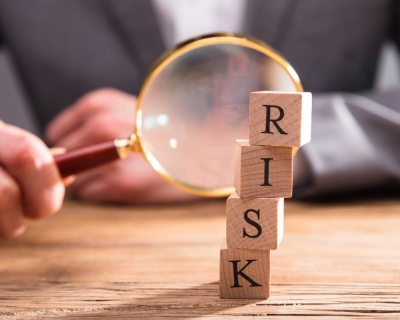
(68, 180)
(129, 172)
(65, 122)
(30, 162)
(12, 222)
(107, 189)
(74, 116)
(100, 128)
(57, 151)
(131, 180)
(110, 181)
(86, 107)
(87, 177)
(103, 187)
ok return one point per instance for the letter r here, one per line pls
(274, 121)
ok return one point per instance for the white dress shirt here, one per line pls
(183, 19)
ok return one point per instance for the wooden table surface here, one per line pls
(88, 261)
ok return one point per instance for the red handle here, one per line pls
(81, 159)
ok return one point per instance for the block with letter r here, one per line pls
(244, 273)
(280, 119)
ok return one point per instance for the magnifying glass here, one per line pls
(192, 107)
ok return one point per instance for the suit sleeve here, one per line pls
(355, 140)
(355, 144)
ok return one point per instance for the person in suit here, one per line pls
(66, 50)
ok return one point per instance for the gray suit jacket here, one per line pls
(65, 48)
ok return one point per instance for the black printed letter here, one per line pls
(253, 223)
(236, 274)
(266, 171)
(274, 121)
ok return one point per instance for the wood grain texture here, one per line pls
(244, 273)
(292, 110)
(336, 261)
(130, 300)
(249, 171)
(265, 228)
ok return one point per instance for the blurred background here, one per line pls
(15, 108)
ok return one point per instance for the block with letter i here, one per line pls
(263, 171)
(278, 121)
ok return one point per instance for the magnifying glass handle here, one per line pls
(85, 158)
(89, 157)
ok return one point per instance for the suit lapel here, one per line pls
(136, 24)
(268, 19)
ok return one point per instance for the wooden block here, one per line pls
(254, 223)
(280, 118)
(262, 172)
(244, 273)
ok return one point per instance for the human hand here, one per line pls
(30, 185)
(102, 115)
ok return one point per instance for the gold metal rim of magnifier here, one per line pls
(172, 54)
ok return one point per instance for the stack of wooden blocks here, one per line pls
(278, 121)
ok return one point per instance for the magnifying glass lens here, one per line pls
(196, 105)
(192, 107)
